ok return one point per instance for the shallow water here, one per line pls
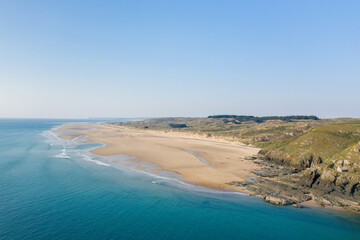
(49, 190)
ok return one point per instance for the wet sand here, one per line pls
(206, 162)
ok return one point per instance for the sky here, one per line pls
(80, 59)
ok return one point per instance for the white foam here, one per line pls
(87, 158)
(63, 154)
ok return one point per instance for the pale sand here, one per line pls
(173, 153)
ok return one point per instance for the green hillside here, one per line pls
(333, 145)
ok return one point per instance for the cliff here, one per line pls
(326, 161)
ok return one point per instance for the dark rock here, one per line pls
(295, 205)
(317, 160)
(309, 177)
(278, 200)
(250, 158)
(282, 184)
(244, 183)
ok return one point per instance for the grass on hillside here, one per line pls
(332, 142)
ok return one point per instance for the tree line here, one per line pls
(243, 118)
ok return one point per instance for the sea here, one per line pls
(52, 188)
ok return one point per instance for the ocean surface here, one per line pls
(54, 189)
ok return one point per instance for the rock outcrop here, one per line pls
(282, 184)
(278, 200)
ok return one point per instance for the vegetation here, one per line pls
(177, 125)
(293, 140)
(258, 131)
(243, 118)
(334, 144)
(317, 156)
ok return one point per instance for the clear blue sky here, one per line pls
(78, 59)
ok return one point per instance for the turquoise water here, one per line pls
(44, 196)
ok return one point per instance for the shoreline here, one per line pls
(183, 155)
(137, 166)
(188, 174)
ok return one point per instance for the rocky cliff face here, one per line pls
(297, 162)
(307, 176)
(332, 188)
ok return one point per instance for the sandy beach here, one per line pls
(208, 163)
